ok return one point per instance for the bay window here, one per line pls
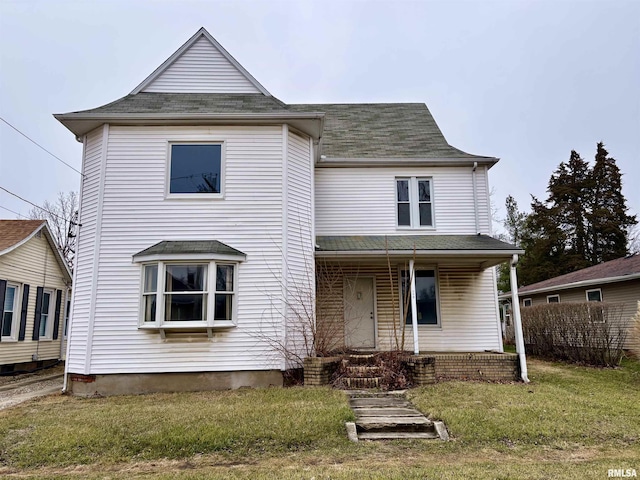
(188, 294)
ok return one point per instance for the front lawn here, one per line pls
(570, 422)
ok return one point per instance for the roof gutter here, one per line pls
(507, 254)
(568, 286)
(337, 162)
(310, 123)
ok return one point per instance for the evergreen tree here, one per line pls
(544, 242)
(569, 192)
(609, 222)
(514, 224)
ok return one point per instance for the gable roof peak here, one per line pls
(218, 49)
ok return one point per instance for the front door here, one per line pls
(359, 322)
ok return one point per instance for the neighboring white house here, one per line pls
(35, 285)
(206, 203)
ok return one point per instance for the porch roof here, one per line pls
(483, 248)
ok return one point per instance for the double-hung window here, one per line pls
(414, 201)
(195, 169)
(186, 294)
(10, 312)
(46, 318)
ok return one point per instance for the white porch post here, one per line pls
(517, 323)
(414, 308)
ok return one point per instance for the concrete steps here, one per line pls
(388, 416)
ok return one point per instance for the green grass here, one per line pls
(569, 422)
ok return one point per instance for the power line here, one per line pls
(38, 206)
(12, 211)
(36, 143)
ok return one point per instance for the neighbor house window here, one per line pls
(414, 202)
(526, 302)
(195, 169)
(188, 294)
(10, 312)
(67, 312)
(46, 320)
(553, 299)
(426, 297)
(594, 295)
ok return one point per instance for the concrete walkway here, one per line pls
(16, 393)
(388, 416)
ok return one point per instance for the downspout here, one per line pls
(475, 196)
(517, 323)
(414, 307)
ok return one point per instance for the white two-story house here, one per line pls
(226, 235)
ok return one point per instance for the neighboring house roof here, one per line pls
(198, 247)
(406, 244)
(14, 233)
(618, 270)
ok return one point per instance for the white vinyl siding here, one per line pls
(78, 334)
(363, 201)
(202, 69)
(32, 263)
(136, 215)
(300, 262)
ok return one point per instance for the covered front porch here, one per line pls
(418, 294)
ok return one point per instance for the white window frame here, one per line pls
(436, 274)
(414, 203)
(210, 292)
(17, 310)
(48, 333)
(552, 296)
(586, 294)
(194, 195)
(525, 300)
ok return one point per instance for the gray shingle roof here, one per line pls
(379, 130)
(409, 242)
(366, 130)
(620, 267)
(191, 103)
(194, 246)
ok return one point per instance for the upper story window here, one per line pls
(414, 198)
(195, 168)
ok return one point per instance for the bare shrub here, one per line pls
(389, 366)
(590, 332)
(634, 333)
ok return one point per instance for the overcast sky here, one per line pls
(525, 81)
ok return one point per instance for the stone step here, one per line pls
(397, 435)
(363, 382)
(363, 371)
(385, 412)
(379, 402)
(394, 424)
(361, 358)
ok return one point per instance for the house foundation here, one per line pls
(141, 383)
(429, 368)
